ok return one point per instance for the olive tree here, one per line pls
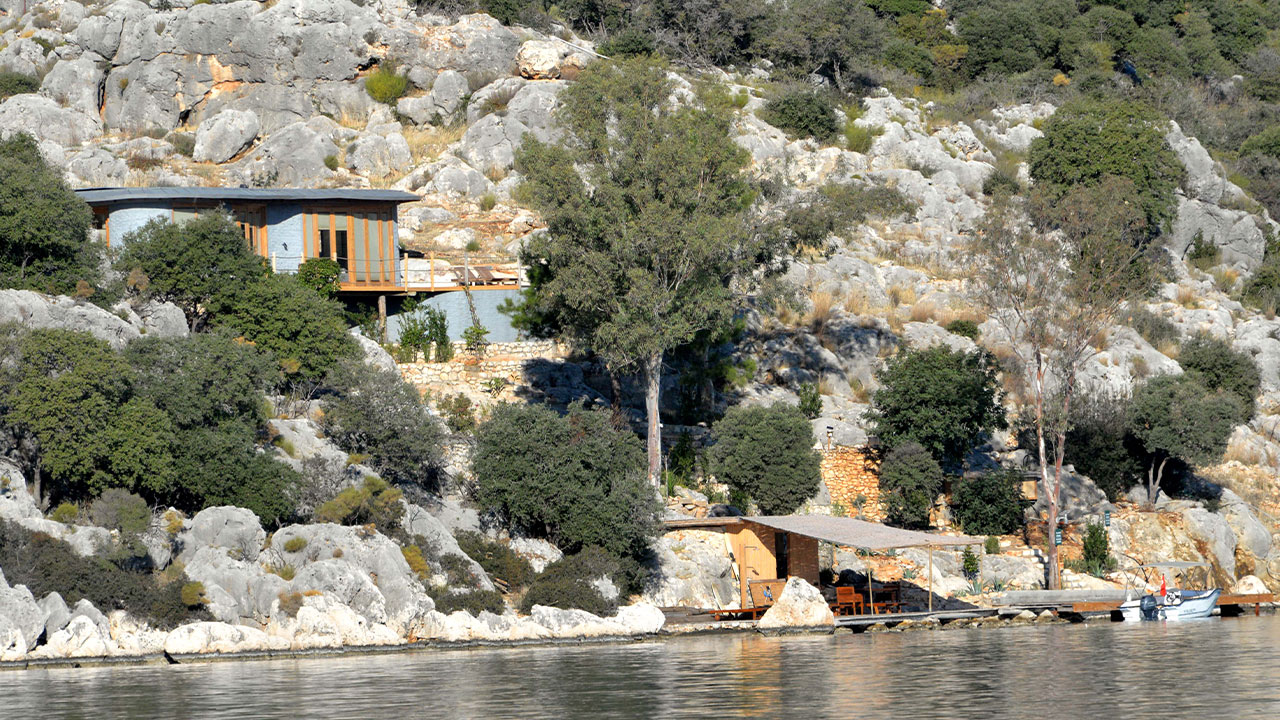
(1178, 418)
(910, 479)
(768, 453)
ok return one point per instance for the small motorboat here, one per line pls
(1170, 603)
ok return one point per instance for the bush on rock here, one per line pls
(570, 583)
(910, 479)
(990, 504)
(767, 453)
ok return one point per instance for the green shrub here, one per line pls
(375, 502)
(192, 594)
(418, 564)
(1266, 143)
(970, 564)
(284, 570)
(990, 504)
(66, 513)
(294, 544)
(963, 328)
(810, 400)
(459, 572)
(118, 509)
(767, 453)
(506, 12)
(13, 83)
(438, 335)
(802, 113)
(376, 413)
(487, 202)
(474, 602)
(1000, 183)
(1218, 366)
(567, 584)
(384, 86)
(574, 479)
(458, 414)
(910, 480)
(1088, 140)
(323, 275)
(183, 143)
(331, 162)
(1099, 443)
(47, 565)
(858, 138)
(497, 559)
(1153, 328)
(1203, 254)
(44, 227)
(941, 398)
(1097, 558)
(992, 545)
(628, 43)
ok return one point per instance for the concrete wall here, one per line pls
(284, 236)
(130, 218)
(458, 314)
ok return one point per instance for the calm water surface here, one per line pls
(1210, 668)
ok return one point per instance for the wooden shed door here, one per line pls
(782, 543)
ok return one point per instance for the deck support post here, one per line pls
(930, 578)
(382, 318)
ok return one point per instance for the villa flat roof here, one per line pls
(127, 194)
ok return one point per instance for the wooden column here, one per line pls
(382, 318)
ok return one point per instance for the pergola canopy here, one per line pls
(860, 533)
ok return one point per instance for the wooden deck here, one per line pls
(1228, 603)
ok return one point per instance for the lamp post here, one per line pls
(830, 431)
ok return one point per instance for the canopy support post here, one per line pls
(871, 591)
(930, 578)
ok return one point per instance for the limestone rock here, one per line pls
(799, 605)
(234, 588)
(96, 167)
(419, 521)
(693, 569)
(223, 136)
(44, 119)
(1250, 585)
(375, 355)
(36, 310)
(1213, 530)
(292, 156)
(378, 155)
(539, 60)
(56, 613)
(214, 637)
(13, 645)
(225, 527)
(537, 551)
(79, 639)
(22, 612)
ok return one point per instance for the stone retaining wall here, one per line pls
(465, 374)
(851, 473)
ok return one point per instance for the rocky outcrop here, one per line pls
(693, 569)
(223, 136)
(799, 605)
(36, 310)
(18, 609)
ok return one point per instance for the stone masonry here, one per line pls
(465, 374)
(852, 476)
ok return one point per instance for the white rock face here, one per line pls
(223, 136)
(80, 638)
(799, 605)
(215, 637)
(539, 59)
(227, 527)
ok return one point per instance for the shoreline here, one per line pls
(732, 627)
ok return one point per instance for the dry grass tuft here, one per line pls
(901, 295)
(1170, 349)
(822, 312)
(427, 143)
(857, 303)
(1187, 297)
(924, 311)
(1225, 279)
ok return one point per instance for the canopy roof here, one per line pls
(859, 533)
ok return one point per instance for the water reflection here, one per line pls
(1224, 668)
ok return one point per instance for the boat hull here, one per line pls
(1192, 604)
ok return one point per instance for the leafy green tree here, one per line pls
(830, 37)
(1177, 418)
(190, 264)
(1100, 446)
(1216, 365)
(645, 210)
(572, 479)
(910, 480)
(990, 504)
(203, 380)
(1097, 558)
(1085, 141)
(279, 315)
(70, 393)
(223, 466)
(1007, 36)
(701, 32)
(44, 227)
(941, 398)
(767, 453)
(376, 413)
(322, 275)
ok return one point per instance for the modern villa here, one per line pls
(357, 228)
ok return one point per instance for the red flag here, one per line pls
(1163, 588)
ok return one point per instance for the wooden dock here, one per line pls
(1085, 603)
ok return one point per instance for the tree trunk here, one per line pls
(1050, 490)
(615, 390)
(1154, 475)
(652, 393)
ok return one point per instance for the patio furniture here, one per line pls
(848, 602)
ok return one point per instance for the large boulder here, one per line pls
(81, 638)
(1212, 531)
(56, 613)
(13, 645)
(223, 527)
(379, 155)
(1240, 236)
(215, 637)
(36, 310)
(539, 59)
(221, 137)
(799, 605)
(693, 569)
(44, 119)
(292, 156)
(21, 610)
(234, 589)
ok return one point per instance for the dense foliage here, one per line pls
(990, 504)
(910, 480)
(44, 243)
(375, 413)
(574, 479)
(497, 559)
(1177, 418)
(570, 583)
(766, 453)
(802, 113)
(942, 399)
(372, 503)
(1217, 366)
